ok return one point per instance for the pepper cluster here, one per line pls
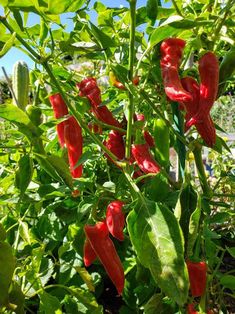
(98, 243)
(196, 99)
(115, 142)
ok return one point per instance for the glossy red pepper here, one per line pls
(98, 236)
(60, 110)
(209, 77)
(207, 130)
(88, 88)
(191, 309)
(197, 277)
(115, 219)
(144, 158)
(115, 144)
(74, 141)
(171, 54)
(89, 255)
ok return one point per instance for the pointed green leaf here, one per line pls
(185, 206)
(7, 266)
(24, 232)
(62, 6)
(62, 169)
(49, 304)
(193, 227)
(16, 116)
(158, 242)
(7, 46)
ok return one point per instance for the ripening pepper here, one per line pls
(115, 219)
(74, 141)
(147, 136)
(197, 277)
(171, 54)
(60, 110)
(98, 236)
(89, 88)
(95, 128)
(120, 85)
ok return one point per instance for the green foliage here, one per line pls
(43, 210)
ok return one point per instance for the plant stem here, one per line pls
(130, 108)
(176, 8)
(201, 170)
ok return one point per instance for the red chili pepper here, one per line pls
(60, 110)
(88, 88)
(171, 53)
(197, 277)
(98, 236)
(209, 76)
(115, 144)
(115, 219)
(204, 126)
(191, 309)
(144, 158)
(89, 255)
(207, 130)
(74, 142)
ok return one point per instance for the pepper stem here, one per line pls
(130, 108)
(201, 170)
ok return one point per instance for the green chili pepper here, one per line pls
(161, 135)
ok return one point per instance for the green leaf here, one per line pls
(62, 169)
(231, 251)
(16, 297)
(103, 39)
(86, 277)
(158, 242)
(228, 281)
(24, 232)
(193, 227)
(161, 33)
(49, 304)
(157, 304)
(3, 233)
(185, 206)
(7, 266)
(62, 6)
(16, 116)
(7, 46)
(87, 299)
(24, 173)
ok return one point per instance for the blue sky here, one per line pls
(15, 54)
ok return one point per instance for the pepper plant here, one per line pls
(96, 214)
